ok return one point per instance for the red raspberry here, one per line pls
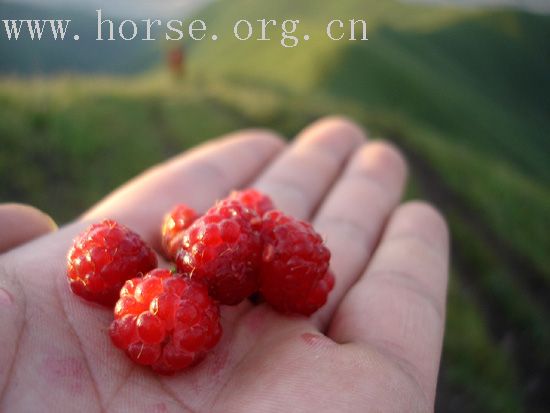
(164, 321)
(294, 274)
(254, 200)
(222, 248)
(103, 257)
(318, 295)
(177, 220)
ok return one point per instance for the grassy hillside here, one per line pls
(464, 93)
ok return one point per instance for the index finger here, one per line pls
(197, 178)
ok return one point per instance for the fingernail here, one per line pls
(51, 223)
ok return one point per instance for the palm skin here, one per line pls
(374, 347)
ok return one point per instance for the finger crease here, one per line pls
(365, 176)
(409, 282)
(355, 230)
(432, 247)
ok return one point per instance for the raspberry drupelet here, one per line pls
(165, 321)
(174, 223)
(253, 199)
(294, 273)
(222, 249)
(103, 257)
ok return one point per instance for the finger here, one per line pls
(355, 212)
(398, 305)
(197, 179)
(22, 223)
(301, 176)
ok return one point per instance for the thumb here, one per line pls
(22, 223)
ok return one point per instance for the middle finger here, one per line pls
(299, 179)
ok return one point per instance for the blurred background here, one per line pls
(463, 87)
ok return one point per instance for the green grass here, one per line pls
(465, 93)
(67, 142)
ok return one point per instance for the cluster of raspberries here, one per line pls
(242, 246)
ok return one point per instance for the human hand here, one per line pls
(374, 347)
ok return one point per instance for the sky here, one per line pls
(182, 8)
(125, 8)
(537, 6)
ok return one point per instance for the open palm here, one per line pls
(374, 347)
